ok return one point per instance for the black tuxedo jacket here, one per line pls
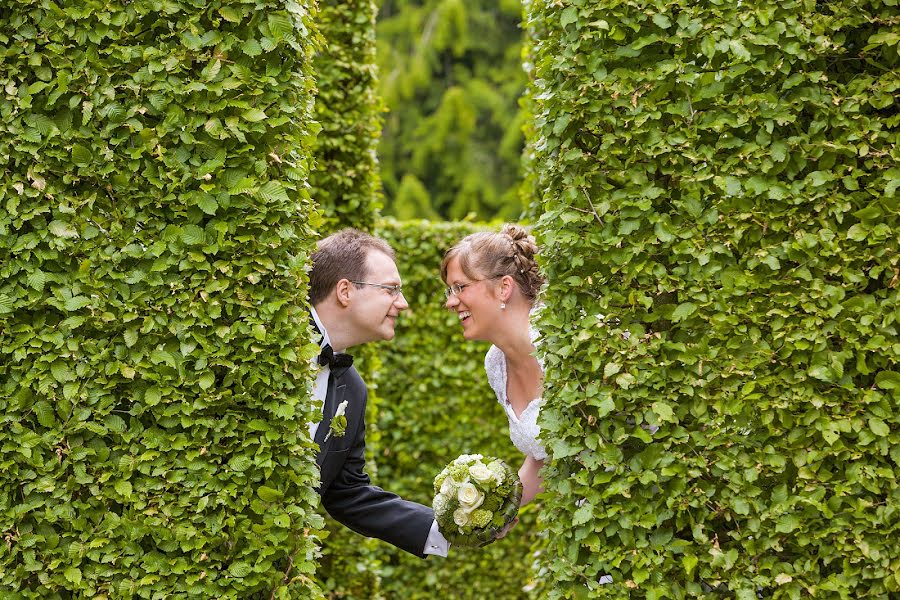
(347, 493)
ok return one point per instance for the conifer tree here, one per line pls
(451, 77)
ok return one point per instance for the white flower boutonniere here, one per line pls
(338, 422)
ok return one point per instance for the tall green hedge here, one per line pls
(720, 224)
(345, 184)
(345, 180)
(153, 355)
(435, 404)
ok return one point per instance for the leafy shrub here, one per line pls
(346, 187)
(345, 181)
(435, 405)
(720, 221)
(153, 239)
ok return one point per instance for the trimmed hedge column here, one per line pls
(153, 356)
(345, 185)
(435, 404)
(720, 224)
(345, 180)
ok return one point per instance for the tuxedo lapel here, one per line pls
(333, 397)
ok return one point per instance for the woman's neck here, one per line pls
(514, 339)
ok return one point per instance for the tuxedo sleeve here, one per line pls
(371, 511)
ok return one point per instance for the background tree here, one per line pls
(451, 76)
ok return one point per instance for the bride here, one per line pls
(492, 284)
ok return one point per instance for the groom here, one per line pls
(356, 298)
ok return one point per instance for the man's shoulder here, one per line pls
(352, 378)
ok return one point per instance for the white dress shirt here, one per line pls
(436, 543)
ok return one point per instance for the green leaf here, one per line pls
(878, 427)
(568, 16)
(115, 423)
(208, 204)
(662, 21)
(62, 229)
(123, 488)
(73, 575)
(60, 371)
(273, 191)
(130, 336)
(268, 494)
(193, 235)
(152, 396)
(682, 311)
(253, 115)
(37, 279)
(663, 411)
(45, 414)
(583, 515)
(81, 156)
(239, 569)
(206, 380)
(888, 380)
(611, 369)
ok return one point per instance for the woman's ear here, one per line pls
(342, 292)
(506, 288)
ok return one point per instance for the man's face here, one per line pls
(375, 309)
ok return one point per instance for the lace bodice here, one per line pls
(523, 430)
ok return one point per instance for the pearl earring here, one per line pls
(503, 306)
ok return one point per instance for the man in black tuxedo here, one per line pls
(356, 298)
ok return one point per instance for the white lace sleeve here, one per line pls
(494, 367)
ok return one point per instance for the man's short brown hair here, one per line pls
(342, 255)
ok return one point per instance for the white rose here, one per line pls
(480, 473)
(460, 517)
(469, 497)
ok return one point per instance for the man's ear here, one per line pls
(342, 292)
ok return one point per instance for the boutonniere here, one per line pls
(338, 422)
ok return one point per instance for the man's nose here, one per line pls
(401, 302)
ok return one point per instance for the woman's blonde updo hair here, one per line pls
(488, 255)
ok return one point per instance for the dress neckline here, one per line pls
(504, 382)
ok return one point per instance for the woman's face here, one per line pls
(476, 301)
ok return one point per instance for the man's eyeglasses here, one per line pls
(393, 290)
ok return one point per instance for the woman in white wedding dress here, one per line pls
(493, 282)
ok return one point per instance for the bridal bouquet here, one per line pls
(475, 497)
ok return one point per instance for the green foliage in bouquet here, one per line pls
(344, 181)
(153, 359)
(475, 497)
(720, 222)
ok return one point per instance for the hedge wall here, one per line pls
(153, 355)
(345, 185)
(435, 405)
(720, 222)
(345, 181)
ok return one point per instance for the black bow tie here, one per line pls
(339, 361)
